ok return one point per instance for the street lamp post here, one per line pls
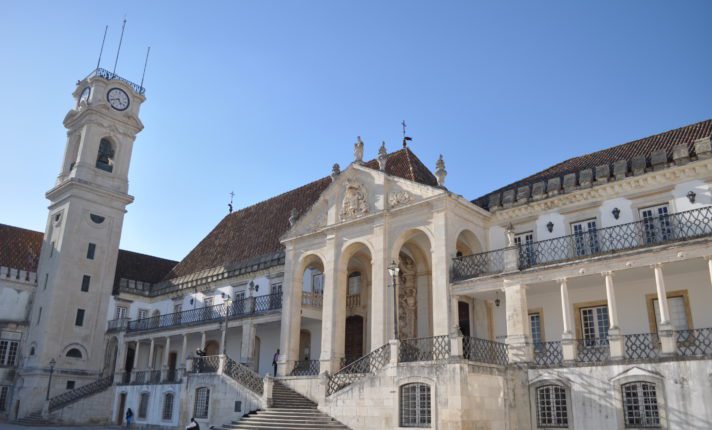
(228, 301)
(393, 270)
(52, 362)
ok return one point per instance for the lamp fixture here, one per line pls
(496, 300)
(691, 196)
(550, 226)
(616, 213)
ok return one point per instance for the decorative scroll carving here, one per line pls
(399, 198)
(355, 201)
(407, 299)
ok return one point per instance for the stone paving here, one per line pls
(6, 426)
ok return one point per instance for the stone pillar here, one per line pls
(709, 265)
(379, 289)
(511, 254)
(518, 329)
(120, 355)
(615, 340)
(668, 345)
(135, 363)
(185, 349)
(454, 314)
(223, 335)
(202, 340)
(456, 348)
(247, 350)
(334, 308)
(268, 383)
(166, 353)
(291, 312)
(394, 344)
(440, 278)
(150, 355)
(568, 344)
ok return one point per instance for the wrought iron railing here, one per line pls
(345, 361)
(238, 309)
(64, 399)
(694, 343)
(114, 77)
(312, 299)
(641, 346)
(140, 377)
(638, 234)
(434, 348)
(123, 378)
(207, 364)
(592, 350)
(484, 351)
(476, 265)
(548, 354)
(243, 375)
(173, 376)
(305, 368)
(118, 324)
(368, 364)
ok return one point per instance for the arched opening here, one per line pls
(105, 156)
(74, 353)
(414, 286)
(304, 345)
(305, 340)
(467, 244)
(354, 340)
(354, 289)
(212, 347)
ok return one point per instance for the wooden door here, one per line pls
(122, 405)
(353, 346)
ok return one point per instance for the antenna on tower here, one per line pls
(119, 48)
(101, 51)
(229, 205)
(405, 138)
(144, 66)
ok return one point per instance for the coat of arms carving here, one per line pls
(355, 201)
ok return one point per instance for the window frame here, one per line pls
(659, 222)
(8, 354)
(79, 317)
(86, 283)
(578, 307)
(537, 405)
(4, 397)
(144, 395)
(650, 301)
(118, 314)
(642, 405)
(540, 313)
(165, 404)
(196, 404)
(91, 251)
(423, 410)
(586, 240)
(525, 242)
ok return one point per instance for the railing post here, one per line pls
(616, 344)
(221, 364)
(568, 347)
(456, 340)
(393, 345)
(268, 384)
(189, 364)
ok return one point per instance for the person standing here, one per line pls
(129, 417)
(274, 361)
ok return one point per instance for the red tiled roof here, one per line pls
(666, 140)
(255, 231)
(20, 248)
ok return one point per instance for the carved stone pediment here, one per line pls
(355, 202)
(399, 198)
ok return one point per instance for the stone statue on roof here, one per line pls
(358, 150)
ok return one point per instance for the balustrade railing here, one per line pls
(694, 343)
(238, 309)
(548, 354)
(77, 394)
(118, 324)
(484, 351)
(647, 232)
(368, 364)
(207, 364)
(593, 350)
(641, 346)
(173, 376)
(243, 375)
(353, 301)
(312, 299)
(305, 368)
(424, 349)
(140, 377)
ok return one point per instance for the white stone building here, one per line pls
(575, 298)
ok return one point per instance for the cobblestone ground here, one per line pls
(5, 426)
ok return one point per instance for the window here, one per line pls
(79, 320)
(39, 316)
(678, 312)
(594, 325)
(70, 385)
(86, 280)
(8, 352)
(143, 406)
(91, 249)
(525, 242)
(656, 224)
(45, 281)
(142, 314)
(535, 324)
(551, 409)
(120, 312)
(74, 353)
(275, 299)
(415, 405)
(51, 249)
(167, 413)
(96, 219)
(202, 399)
(238, 406)
(585, 237)
(640, 405)
(3, 397)
(318, 283)
(105, 157)
(177, 308)
(208, 301)
(239, 295)
(354, 284)
(32, 350)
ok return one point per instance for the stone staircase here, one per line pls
(290, 411)
(33, 420)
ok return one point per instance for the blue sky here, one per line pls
(261, 97)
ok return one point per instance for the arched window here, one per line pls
(640, 405)
(143, 405)
(551, 407)
(74, 353)
(167, 413)
(105, 157)
(202, 401)
(354, 284)
(415, 405)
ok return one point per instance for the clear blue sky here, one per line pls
(261, 96)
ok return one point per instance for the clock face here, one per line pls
(84, 96)
(118, 99)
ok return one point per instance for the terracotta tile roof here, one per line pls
(19, 248)
(666, 140)
(254, 233)
(141, 267)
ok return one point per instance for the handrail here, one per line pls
(305, 368)
(243, 375)
(64, 399)
(368, 364)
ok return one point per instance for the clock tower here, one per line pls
(67, 322)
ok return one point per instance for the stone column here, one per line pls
(334, 308)
(511, 254)
(665, 329)
(150, 355)
(166, 353)
(247, 349)
(615, 340)
(379, 288)
(440, 278)
(518, 329)
(568, 344)
(185, 349)
(454, 314)
(223, 335)
(134, 369)
(202, 340)
(709, 265)
(120, 356)
(291, 313)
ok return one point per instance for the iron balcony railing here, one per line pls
(238, 309)
(206, 364)
(652, 231)
(64, 399)
(548, 354)
(641, 346)
(485, 351)
(114, 77)
(694, 343)
(305, 368)
(592, 350)
(368, 364)
(434, 348)
(118, 324)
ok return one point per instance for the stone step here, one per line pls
(297, 420)
(286, 419)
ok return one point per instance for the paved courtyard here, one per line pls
(6, 426)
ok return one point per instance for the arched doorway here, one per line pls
(414, 289)
(354, 294)
(354, 338)
(212, 347)
(305, 344)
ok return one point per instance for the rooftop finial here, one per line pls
(229, 205)
(358, 150)
(335, 171)
(440, 171)
(382, 157)
(293, 217)
(405, 138)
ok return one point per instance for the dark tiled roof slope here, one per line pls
(141, 267)
(667, 140)
(256, 230)
(20, 248)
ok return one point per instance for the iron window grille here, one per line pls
(551, 407)
(202, 400)
(167, 413)
(143, 405)
(415, 409)
(640, 405)
(8, 353)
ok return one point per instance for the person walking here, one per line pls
(192, 425)
(129, 417)
(274, 361)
